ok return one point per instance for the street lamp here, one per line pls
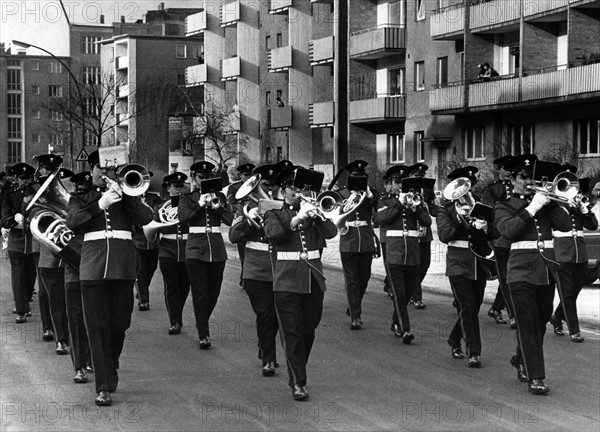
(75, 81)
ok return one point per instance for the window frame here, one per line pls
(35, 66)
(592, 126)
(400, 81)
(468, 136)
(396, 144)
(521, 129)
(14, 128)
(54, 67)
(14, 104)
(441, 71)
(177, 52)
(58, 88)
(14, 152)
(420, 13)
(419, 138)
(419, 84)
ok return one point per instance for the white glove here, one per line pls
(584, 207)
(539, 200)
(306, 211)
(109, 197)
(480, 224)
(203, 199)
(369, 193)
(19, 218)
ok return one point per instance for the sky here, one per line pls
(43, 22)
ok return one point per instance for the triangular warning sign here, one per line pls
(82, 156)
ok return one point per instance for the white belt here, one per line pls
(257, 246)
(205, 230)
(174, 236)
(357, 223)
(532, 244)
(402, 233)
(459, 244)
(295, 256)
(573, 233)
(101, 235)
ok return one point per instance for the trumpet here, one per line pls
(314, 211)
(563, 189)
(132, 180)
(412, 199)
(331, 205)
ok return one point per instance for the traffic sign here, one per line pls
(82, 156)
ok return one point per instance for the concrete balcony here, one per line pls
(229, 13)
(322, 1)
(321, 114)
(196, 75)
(447, 98)
(230, 68)
(321, 51)
(281, 118)
(495, 92)
(561, 83)
(495, 16)
(122, 119)
(279, 6)
(122, 62)
(377, 110)
(280, 59)
(232, 123)
(377, 42)
(547, 10)
(123, 91)
(195, 24)
(448, 23)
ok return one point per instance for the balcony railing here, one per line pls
(321, 51)
(230, 13)
(123, 91)
(195, 24)
(280, 59)
(279, 6)
(321, 114)
(122, 62)
(448, 21)
(196, 75)
(281, 117)
(321, 1)
(538, 7)
(230, 68)
(449, 97)
(495, 92)
(559, 83)
(377, 42)
(377, 110)
(494, 13)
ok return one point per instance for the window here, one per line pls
(14, 104)
(268, 155)
(513, 59)
(89, 45)
(420, 146)
(441, 74)
(36, 138)
(279, 40)
(55, 91)
(35, 66)
(268, 43)
(268, 98)
(14, 152)
(279, 154)
(91, 140)
(181, 51)
(521, 139)
(91, 106)
(420, 10)
(13, 79)
(55, 67)
(35, 89)
(473, 141)
(395, 81)
(56, 116)
(279, 94)
(14, 127)
(395, 144)
(56, 140)
(587, 136)
(396, 14)
(419, 76)
(91, 75)
(13, 62)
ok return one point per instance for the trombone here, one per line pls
(132, 180)
(563, 189)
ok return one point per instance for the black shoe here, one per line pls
(396, 330)
(268, 369)
(497, 316)
(513, 323)
(145, 306)
(175, 329)
(80, 377)
(419, 304)
(103, 398)
(407, 337)
(89, 368)
(28, 313)
(205, 342)
(457, 353)
(356, 324)
(474, 361)
(557, 326)
(576, 337)
(521, 373)
(62, 348)
(21, 319)
(48, 335)
(347, 311)
(538, 387)
(299, 393)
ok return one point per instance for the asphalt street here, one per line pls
(357, 380)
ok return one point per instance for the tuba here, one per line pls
(251, 189)
(167, 215)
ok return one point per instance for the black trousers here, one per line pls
(23, 274)
(262, 300)
(533, 306)
(177, 288)
(53, 281)
(206, 279)
(386, 281)
(107, 308)
(571, 278)
(146, 266)
(298, 316)
(469, 296)
(422, 268)
(402, 281)
(80, 347)
(241, 247)
(357, 272)
(43, 299)
(502, 299)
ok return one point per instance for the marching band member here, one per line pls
(526, 219)
(387, 184)
(571, 254)
(107, 269)
(357, 246)
(500, 190)
(466, 271)
(402, 221)
(205, 252)
(171, 254)
(297, 235)
(257, 273)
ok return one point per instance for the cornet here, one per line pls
(563, 189)
(412, 199)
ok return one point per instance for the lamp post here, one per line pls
(77, 86)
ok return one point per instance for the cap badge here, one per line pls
(527, 162)
(270, 172)
(471, 172)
